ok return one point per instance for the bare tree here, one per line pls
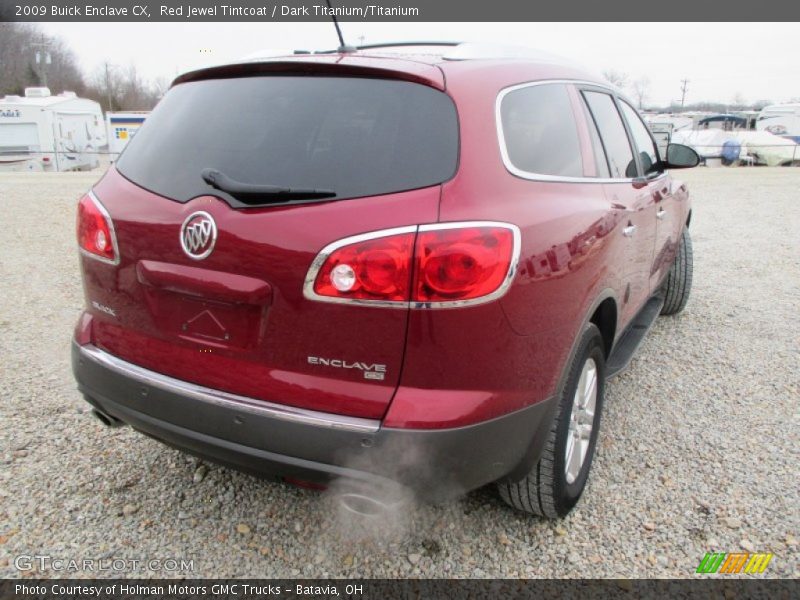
(122, 88)
(105, 86)
(160, 86)
(19, 43)
(116, 88)
(641, 90)
(738, 102)
(616, 78)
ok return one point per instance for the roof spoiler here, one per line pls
(331, 65)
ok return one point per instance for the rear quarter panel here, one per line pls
(473, 363)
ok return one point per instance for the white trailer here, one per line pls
(781, 119)
(122, 126)
(43, 132)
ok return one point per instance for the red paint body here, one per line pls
(445, 367)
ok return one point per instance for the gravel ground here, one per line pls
(698, 452)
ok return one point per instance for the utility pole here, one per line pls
(43, 59)
(684, 89)
(108, 87)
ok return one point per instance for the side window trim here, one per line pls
(584, 134)
(581, 85)
(588, 112)
(504, 149)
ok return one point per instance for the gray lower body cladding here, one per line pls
(310, 446)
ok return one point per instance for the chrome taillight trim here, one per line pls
(316, 265)
(112, 231)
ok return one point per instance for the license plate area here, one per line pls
(205, 321)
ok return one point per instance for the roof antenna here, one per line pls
(343, 47)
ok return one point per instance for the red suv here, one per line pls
(377, 267)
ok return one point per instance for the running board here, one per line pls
(632, 337)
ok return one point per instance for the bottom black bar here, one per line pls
(378, 589)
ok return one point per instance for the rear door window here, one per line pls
(648, 153)
(357, 137)
(539, 131)
(612, 131)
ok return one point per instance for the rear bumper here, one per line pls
(277, 440)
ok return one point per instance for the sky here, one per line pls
(722, 61)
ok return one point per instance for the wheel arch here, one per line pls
(601, 308)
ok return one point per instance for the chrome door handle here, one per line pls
(629, 231)
(661, 214)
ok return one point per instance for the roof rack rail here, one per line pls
(403, 44)
(394, 45)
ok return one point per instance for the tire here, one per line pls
(679, 280)
(548, 490)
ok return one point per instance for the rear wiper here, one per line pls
(254, 192)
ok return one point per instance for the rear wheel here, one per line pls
(556, 482)
(679, 281)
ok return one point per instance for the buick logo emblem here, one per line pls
(198, 235)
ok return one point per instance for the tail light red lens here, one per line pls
(461, 264)
(370, 269)
(430, 266)
(95, 231)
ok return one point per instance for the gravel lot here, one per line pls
(699, 448)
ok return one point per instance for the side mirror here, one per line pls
(681, 157)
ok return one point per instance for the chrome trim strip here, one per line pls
(225, 399)
(114, 245)
(538, 176)
(311, 277)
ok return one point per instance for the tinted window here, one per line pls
(612, 132)
(358, 137)
(648, 153)
(600, 161)
(540, 131)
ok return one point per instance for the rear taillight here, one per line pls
(368, 267)
(96, 231)
(430, 266)
(469, 262)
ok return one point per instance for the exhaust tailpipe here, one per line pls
(107, 419)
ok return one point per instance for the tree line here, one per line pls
(639, 90)
(115, 87)
(118, 87)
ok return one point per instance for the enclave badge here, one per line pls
(198, 235)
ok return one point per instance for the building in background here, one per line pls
(122, 126)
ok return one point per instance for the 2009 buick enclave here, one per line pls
(382, 265)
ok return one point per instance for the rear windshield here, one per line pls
(357, 137)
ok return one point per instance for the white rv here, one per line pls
(43, 132)
(781, 119)
(122, 126)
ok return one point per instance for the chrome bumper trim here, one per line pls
(225, 399)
